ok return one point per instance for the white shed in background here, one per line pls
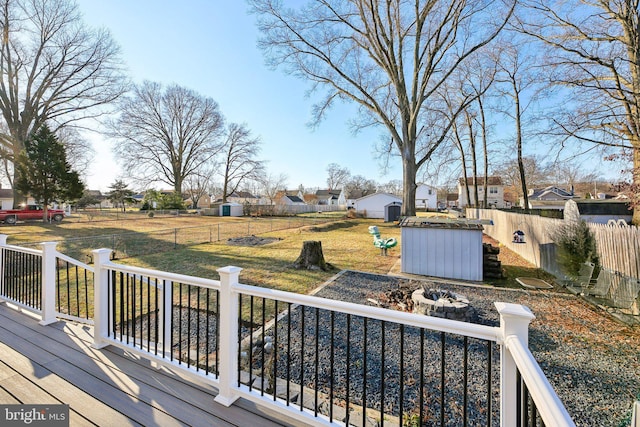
(447, 248)
(375, 205)
(231, 209)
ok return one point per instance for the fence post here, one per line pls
(165, 316)
(3, 243)
(100, 297)
(514, 320)
(228, 350)
(48, 302)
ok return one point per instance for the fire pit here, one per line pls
(441, 303)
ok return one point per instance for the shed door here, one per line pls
(393, 213)
(226, 210)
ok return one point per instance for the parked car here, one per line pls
(30, 212)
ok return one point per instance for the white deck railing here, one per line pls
(516, 361)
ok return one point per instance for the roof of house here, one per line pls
(242, 195)
(491, 180)
(380, 194)
(295, 199)
(452, 197)
(331, 194)
(550, 191)
(309, 198)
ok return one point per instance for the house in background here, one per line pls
(602, 211)
(495, 188)
(426, 197)
(331, 197)
(6, 198)
(376, 205)
(289, 198)
(550, 197)
(242, 197)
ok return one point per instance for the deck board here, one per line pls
(55, 364)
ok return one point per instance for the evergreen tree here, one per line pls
(44, 171)
(120, 194)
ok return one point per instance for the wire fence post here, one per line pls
(175, 238)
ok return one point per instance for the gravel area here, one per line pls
(592, 361)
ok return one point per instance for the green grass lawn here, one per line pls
(346, 244)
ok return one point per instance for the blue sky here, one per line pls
(210, 46)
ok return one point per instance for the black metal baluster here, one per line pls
(180, 315)
(401, 379)
(86, 294)
(382, 339)
(251, 342)
(331, 358)
(132, 280)
(421, 397)
(110, 304)
(148, 313)
(68, 291)
(264, 309)
(275, 349)
(364, 370)
(519, 402)
(207, 350)
(346, 420)
(301, 400)
(189, 311)
(489, 384)
(77, 292)
(317, 362)
(141, 312)
(239, 334)
(217, 335)
(465, 371)
(157, 317)
(122, 305)
(442, 372)
(198, 328)
(172, 322)
(288, 352)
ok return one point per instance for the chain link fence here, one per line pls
(132, 244)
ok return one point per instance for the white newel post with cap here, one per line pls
(100, 297)
(514, 321)
(228, 345)
(48, 303)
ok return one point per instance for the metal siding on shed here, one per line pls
(447, 253)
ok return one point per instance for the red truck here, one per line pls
(30, 212)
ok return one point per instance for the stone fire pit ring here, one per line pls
(441, 303)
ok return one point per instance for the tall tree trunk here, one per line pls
(474, 161)
(636, 186)
(483, 124)
(518, 116)
(409, 172)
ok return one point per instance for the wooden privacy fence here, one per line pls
(618, 246)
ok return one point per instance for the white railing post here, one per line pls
(514, 320)
(165, 311)
(3, 243)
(48, 303)
(228, 345)
(100, 297)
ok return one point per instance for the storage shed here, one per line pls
(375, 205)
(442, 247)
(231, 209)
(392, 211)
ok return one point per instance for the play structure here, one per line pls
(378, 242)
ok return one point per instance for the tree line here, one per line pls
(430, 75)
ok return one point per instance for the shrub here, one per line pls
(575, 245)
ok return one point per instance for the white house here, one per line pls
(331, 197)
(373, 205)
(426, 197)
(495, 188)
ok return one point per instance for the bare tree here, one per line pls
(359, 186)
(388, 57)
(595, 53)
(53, 69)
(392, 187)
(272, 184)
(337, 176)
(197, 186)
(240, 163)
(166, 135)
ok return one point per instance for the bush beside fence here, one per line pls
(618, 246)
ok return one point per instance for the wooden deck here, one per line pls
(108, 387)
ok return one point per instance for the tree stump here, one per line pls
(311, 257)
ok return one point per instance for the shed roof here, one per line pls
(439, 222)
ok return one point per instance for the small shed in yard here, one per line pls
(392, 211)
(375, 205)
(231, 209)
(442, 247)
